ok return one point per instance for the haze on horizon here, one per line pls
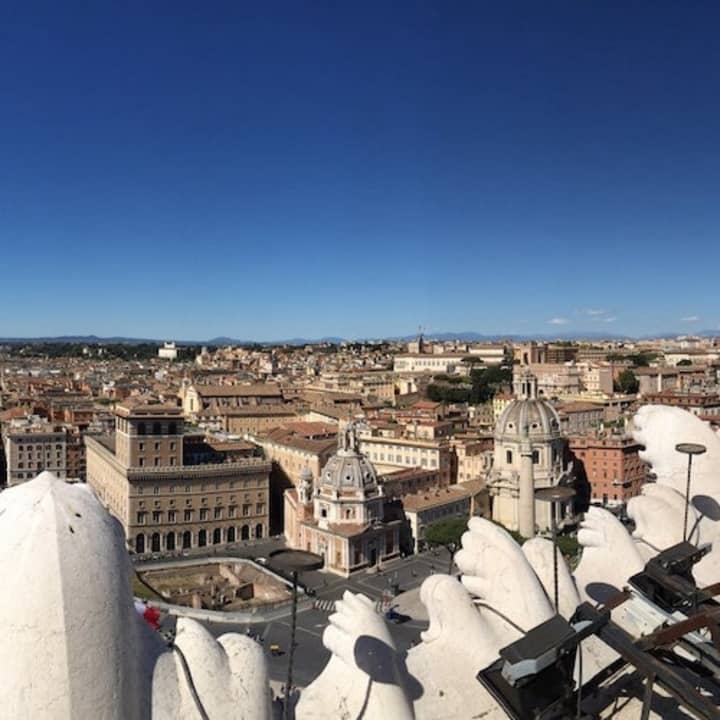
(191, 172)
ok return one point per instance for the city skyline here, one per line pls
(191, 173)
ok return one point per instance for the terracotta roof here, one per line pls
(250, 411)
(424, 501)
(473, 486)
(308, 429)
(256, 390)
(573, 407)
(281, 436)
(15, 412)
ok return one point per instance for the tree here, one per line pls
(447, 533)
(642, 359)
(627, 382)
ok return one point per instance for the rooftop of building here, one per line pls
(406, 473)
(288, 438)
(312, 430)
(250, 411)
(251, 390)
(426, 500)
(143, 408)
(577, 406)
(473, 486)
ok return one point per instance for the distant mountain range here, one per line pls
(466, 336)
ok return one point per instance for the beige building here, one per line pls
(489, 354)
(445, 364)
(254, 419)
(499, 402)
(388, 452)
(198, 398)
(291, 450)
(596, 379)
(555, 380)
(423, 509)
(166, 501)
(297, 446)
(341, 513)
(33, 445)
(580, 417)
(473, 457)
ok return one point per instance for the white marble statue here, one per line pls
(71, 640)
(228, 677)
(500, 598)
(363, 678)
(74, 647)
(539, 554)
(609, 556)
(72, 644)
(658, 513)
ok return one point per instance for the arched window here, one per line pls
(170, 541)
(245, 532)
(217, 536)
(141, 428)
(231, 534)
(202, 538)
(187, 540)
(155, 542)
(140, 544)
(157, 429)
(258, 530)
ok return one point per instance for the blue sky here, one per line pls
(269, 170)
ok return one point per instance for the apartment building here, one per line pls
(33, 445)
(611, 464)
(166, 501)
(196, 398)
(423, 509)
(387, 450)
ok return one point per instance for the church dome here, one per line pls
(349, 468)
(538, 416)
(349, 472)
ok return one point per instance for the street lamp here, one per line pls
(553, 495)
(294, 562)
(689, 449)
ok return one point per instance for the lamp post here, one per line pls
(553, 495)
(293, 562)
(689, 449)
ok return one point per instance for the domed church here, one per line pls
(527, 441)
(340, 515)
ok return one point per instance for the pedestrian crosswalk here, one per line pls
(328, 606)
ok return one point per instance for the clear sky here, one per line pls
(266, 170)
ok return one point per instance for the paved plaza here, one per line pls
(311, 655)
